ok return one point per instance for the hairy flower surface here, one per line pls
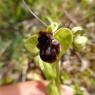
(49, 45)
(49, 48)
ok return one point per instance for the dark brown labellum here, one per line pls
(49, 48)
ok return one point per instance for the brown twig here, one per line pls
(70, 17)
(67, 14)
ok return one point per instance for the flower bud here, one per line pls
(77, 30)
(80, 42)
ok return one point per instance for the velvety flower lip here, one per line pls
(49, 48)
(50, 45)
(44, 39)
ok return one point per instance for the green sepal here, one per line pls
(31, 44)
(65, 38)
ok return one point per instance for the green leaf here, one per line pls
(47, 68)
(65, 37)
(52, 89)
(31, 44)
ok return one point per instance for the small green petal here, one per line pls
(65, 37)
(31, 44)
(53, 27)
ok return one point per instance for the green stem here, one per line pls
(57, 80)
(54, 87)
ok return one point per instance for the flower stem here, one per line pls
(54, 86)
(57, 80)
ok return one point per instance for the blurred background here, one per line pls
(16, 23)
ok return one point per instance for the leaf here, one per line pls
(52, 89)
(65, 37)
(47, 68)
(31, 44)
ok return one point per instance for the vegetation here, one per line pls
(16, 24)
